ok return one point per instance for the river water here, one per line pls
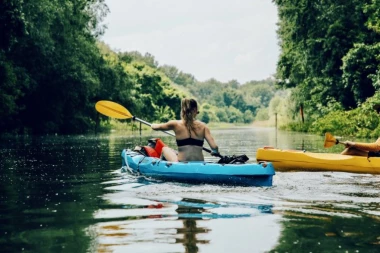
(66, 194)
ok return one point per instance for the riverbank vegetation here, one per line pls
(54, 68)
(330, 59)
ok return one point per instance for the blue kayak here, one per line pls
(240, 174)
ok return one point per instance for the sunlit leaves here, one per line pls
(373, 11)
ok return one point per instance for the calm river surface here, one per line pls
(66, 194)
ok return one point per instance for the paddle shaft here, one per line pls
(149, 124)
(341, 142)
(169, 133)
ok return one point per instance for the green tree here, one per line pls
(359, 66)
(222, 114)
(248, 116)
(234, 115)
(234, 98)
(53, 51)
(314, 38)
(372, 9)
(14, 79)
(204, 91)
(262, 114)
(135, 56)
(169, 71)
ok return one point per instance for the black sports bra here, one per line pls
(190, 141)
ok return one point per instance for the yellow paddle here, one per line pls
(115, 110)
(330, 140)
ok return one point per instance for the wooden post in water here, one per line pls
(275, 117)
(301, 111)
(140, 128)
(97, 123)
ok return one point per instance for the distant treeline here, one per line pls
(219, 102)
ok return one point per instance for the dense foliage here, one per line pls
(329, 51)
(330, 57)
(48, 63)
(52, 69)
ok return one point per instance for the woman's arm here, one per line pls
(210, 140)
(365, 146)
(164, 126)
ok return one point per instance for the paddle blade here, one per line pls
(330, 140)
(112, 109)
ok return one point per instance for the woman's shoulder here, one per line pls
(174, 122)
(201, 124)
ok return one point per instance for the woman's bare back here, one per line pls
(196, 132)
(199, 131)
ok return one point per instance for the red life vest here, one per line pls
(159, 145)
(155, 152)
(151, 151)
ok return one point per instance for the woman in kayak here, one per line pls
(190, 134)
(363, 149)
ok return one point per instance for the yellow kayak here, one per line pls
(296, 160)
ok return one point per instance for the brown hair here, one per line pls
(189, 109)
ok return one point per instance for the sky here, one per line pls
(222, 39)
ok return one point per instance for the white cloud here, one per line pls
(210, 39)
